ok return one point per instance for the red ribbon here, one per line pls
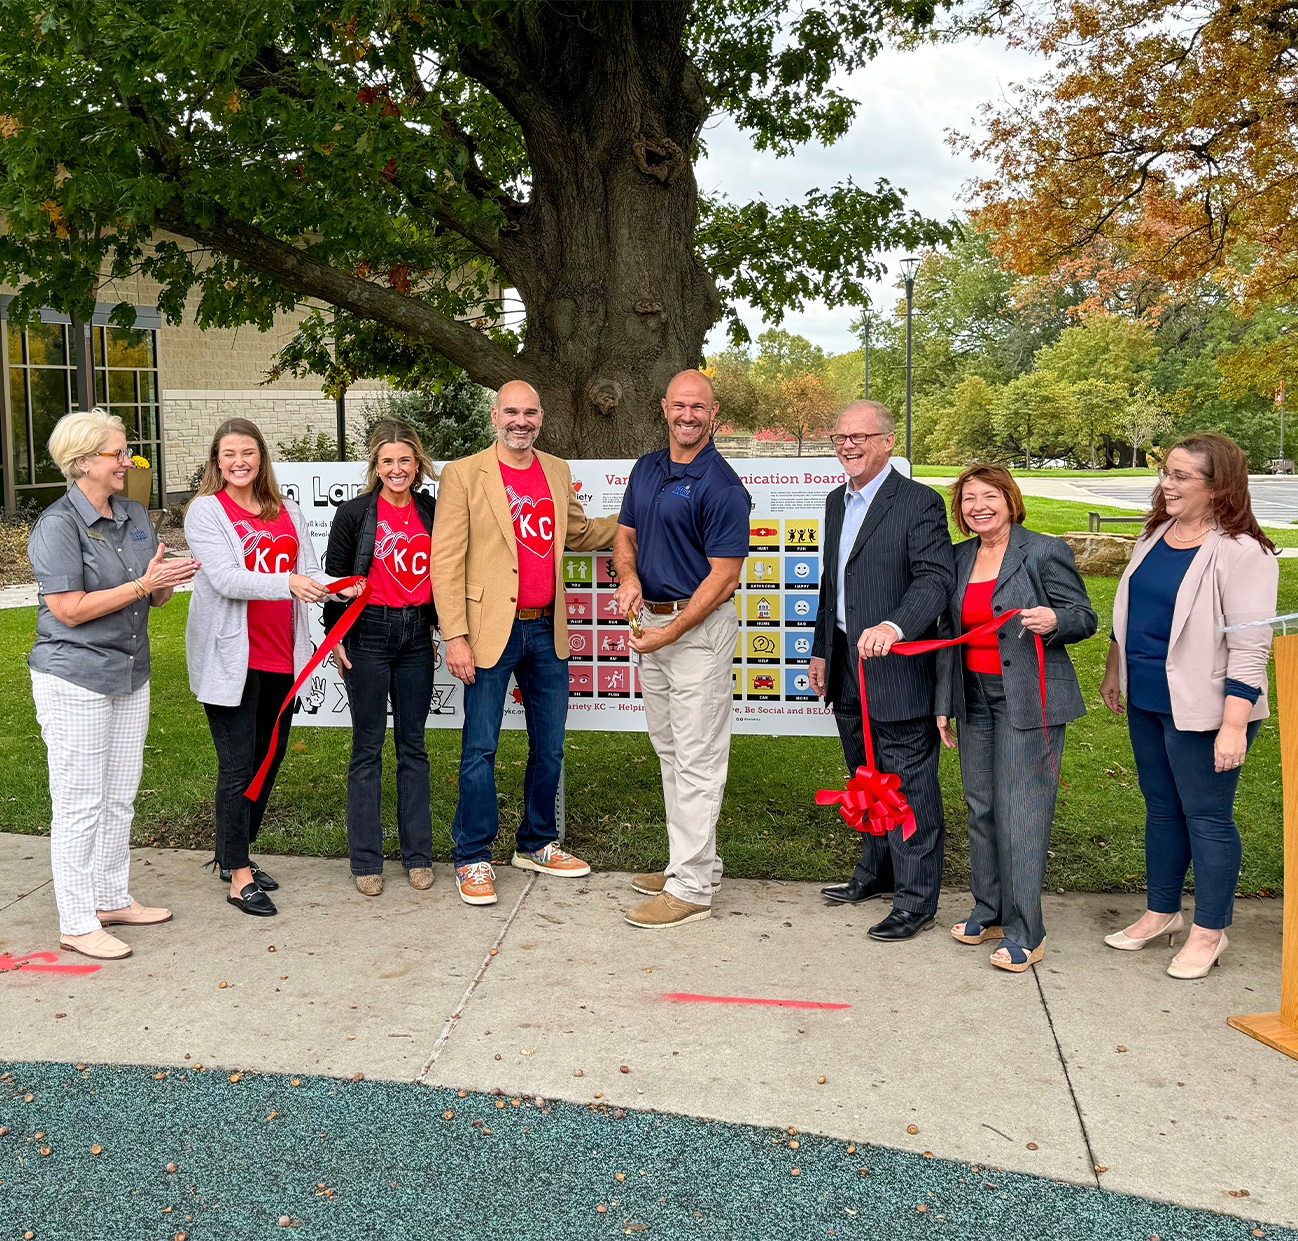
(872, 801)
(331, 639)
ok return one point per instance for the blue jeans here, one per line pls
(1189, 816)
(391, 650)
(543, 685)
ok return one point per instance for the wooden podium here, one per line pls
(1280, 1030)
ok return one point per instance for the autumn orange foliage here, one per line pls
(1166, 127)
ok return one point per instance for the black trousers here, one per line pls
(909, 749)
(241, 736)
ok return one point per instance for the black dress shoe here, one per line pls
(901, 924)
(259, 877)
(854, 890)
(252, 900)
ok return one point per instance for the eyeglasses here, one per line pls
(857, 441)
(122, 454)
(1178, 476)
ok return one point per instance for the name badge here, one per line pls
(94, 534)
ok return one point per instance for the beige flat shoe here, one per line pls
(420, 878)
(98, 944)
(369, 885)
(133, 914)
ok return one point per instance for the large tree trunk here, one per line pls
(603, 256)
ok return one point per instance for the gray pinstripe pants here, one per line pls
(1010, 788)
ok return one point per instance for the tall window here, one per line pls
(41, 386)
(126, 380)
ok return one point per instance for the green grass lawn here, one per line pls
(769, 827)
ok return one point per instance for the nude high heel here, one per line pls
(1126, 943)
(1198, 971)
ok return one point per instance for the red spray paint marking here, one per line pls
(32, 961)
(740, 999)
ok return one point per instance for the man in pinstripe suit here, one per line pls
(888, 572)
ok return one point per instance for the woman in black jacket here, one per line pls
(385, 534)
(1008, 764)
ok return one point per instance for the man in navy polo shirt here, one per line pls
(681, 541)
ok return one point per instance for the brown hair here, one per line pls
(1225, 471)
(394, 431)
(265, 490)
(1000, 478)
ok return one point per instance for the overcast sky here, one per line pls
(908, 102)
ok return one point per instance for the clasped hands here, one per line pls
(163, 574)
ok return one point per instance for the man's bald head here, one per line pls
(517, 415)
(692, 380)
(516, 394)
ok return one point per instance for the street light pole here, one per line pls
(867, 357)
(908, 266)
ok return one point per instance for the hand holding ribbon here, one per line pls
(872, 801)
(331, 639)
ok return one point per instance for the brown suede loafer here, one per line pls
(667, 910)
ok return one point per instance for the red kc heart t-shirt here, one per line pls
(532, 508)
(268, 547)
(399, 570)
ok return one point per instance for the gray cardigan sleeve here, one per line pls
(212, 541)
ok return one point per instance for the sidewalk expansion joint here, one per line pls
(458, 1011)
(22, 896)
(1072, 1094)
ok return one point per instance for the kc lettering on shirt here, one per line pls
(268, 547)
(399, 571)
(532, 508)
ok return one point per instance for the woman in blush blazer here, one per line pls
(1009, 762)
(1195, 685)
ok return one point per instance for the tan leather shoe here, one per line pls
(667, 910)
(420, 878)
(133, 914)
(654, 883)
(369, 885)
(97, 944)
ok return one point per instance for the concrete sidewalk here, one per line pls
(1095, 1058)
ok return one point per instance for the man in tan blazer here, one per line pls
(504, 518)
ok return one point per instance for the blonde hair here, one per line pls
(265, 489)
(81, 434)
(394, 431)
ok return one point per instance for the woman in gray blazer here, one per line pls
(1008, 762)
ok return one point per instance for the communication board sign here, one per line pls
(777, 600)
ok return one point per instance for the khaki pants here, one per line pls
(687, 689)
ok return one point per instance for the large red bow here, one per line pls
(872, 802)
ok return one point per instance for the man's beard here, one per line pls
(505, 436)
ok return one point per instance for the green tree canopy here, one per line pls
(396, 164)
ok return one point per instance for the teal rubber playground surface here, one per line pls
(87, 1152)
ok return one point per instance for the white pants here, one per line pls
(688, 688)
(96, 753)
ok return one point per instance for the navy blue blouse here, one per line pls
(1152, 594)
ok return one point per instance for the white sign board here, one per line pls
(777, 602)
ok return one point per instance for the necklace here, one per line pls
(1176, 525)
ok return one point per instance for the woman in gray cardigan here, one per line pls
(1008, 762)
(247, 636)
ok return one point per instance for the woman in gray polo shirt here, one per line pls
(99, 569)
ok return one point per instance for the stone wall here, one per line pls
(190, 416)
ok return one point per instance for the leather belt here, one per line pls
(534, 613)
(665, 609)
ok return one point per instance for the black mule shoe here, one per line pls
(252, 900)
(260, 877)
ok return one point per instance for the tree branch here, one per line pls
(484, 361)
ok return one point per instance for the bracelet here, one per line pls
(140, 592)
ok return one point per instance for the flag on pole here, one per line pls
(1279, 396)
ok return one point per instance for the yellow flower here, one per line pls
(140, 463)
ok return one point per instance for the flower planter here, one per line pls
(139, 484)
